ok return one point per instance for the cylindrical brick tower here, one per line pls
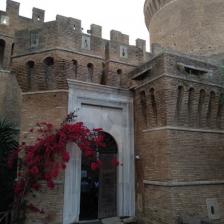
(188, 26)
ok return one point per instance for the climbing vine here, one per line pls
(47, 157)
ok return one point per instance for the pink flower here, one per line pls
(115, 162)
(50, 184)
(66, 156)
(34, 170)
(94, 166)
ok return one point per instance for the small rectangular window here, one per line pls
(189, 69)
(123, 52)
(4, 20)
(86, 42)
(34, 39)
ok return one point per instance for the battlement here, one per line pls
(34, 35)
(67, 23)
(12, 10)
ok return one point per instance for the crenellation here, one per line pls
(12, 7)
(38, 15)
(141, 44)
(178, 101)
(69, 23)
(96, 30)
(117, 36)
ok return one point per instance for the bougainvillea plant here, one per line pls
(47, 156)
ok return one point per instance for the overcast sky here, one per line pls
(123, 15)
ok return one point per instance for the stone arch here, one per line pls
(90, 70)
(2, 52)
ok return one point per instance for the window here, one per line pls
(190, 105)
(74, 68)
(48, 67)
(153, 104)
(123, 52)
(180, 95)
(103, 75)
(4, 20)
(192, 70)
(34, 39)
(12, 52)
(86, 42)
(143, 105)
(90, 69)
(200, 106)
(220, 110)
(2, 51)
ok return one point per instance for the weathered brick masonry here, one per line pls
(179, 138)
(178, 99)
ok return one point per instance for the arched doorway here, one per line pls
(99, 187)
(2, 51)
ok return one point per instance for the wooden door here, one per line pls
(107, 206)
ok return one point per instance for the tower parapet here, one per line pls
(194, 27)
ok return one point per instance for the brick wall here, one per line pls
(50, 107)
(193, 27)
(10, 97)
(179, 138)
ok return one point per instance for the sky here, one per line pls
(122, 15)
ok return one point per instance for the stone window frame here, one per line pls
(123, 51)
(4, 20)
(34, 39)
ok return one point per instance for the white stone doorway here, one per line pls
(111, 109)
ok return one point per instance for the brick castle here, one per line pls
(164, 109)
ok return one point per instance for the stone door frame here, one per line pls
(112, 109)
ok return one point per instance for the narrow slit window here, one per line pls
(34, 39)
(90, 70)
(220, 110)
(190, 104)
(75, 68)
(2, 52)
(143, 105)
(153, 104)
(180, 96)
(200, 106)
(48, 67)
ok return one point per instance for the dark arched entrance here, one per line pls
(99, 187)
